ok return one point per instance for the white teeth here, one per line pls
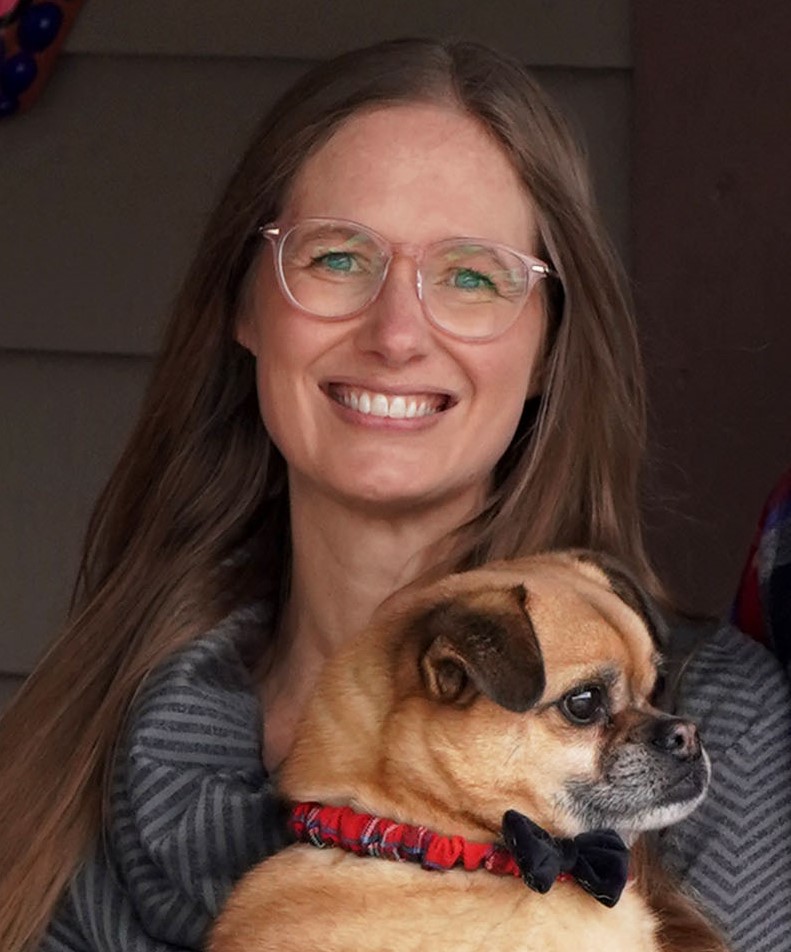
(379, 405)
(397, 408)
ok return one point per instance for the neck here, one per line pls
(347, 560)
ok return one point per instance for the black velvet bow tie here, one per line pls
(599, 861)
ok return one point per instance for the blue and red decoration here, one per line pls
(31, 36)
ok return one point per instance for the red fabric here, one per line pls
(749, 611)
(367, 835)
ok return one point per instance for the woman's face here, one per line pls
(415, 174)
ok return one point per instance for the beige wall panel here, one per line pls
(68, 419)
(105, 185)
(560, 32)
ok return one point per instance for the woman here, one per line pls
(353, 393)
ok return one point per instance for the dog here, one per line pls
(502, 716)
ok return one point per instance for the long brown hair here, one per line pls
(194, 519)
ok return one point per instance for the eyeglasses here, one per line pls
(468, 288)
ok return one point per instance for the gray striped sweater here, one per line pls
(192, 807)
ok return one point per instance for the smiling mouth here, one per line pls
(394, 406)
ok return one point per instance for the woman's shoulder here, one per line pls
(190, 809)
(200, 707)
(738, 693)
(732, 851)
(726, 678)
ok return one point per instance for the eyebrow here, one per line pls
(607, 676)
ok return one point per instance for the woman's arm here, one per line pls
(733, 852)
(191, 809)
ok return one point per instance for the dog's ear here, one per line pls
(484, 642)
(629, 590)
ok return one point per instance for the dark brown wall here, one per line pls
(711, 213)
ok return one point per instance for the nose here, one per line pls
(677, 737)
(394, 326)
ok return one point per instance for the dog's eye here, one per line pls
(583, 706)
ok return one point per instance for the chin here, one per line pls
(389, 502)
(405, 491)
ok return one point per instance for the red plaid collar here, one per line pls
(368, 835)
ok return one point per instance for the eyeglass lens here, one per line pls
(470, 289)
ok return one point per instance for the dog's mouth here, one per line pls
(639, 793)
(692, 783)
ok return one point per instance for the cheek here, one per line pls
(284, 396)
(272, 335)
(508, 374)
(566, 753)
(514, 360)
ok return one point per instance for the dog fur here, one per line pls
(448, 711)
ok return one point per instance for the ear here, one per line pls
(629, 590)
(244, 332)
(482, 643)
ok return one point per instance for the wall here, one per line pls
(104, 186)
(711, 242)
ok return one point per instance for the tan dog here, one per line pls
(520, 686)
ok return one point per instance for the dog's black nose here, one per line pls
(677, 737)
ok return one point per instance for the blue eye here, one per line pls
(468, 280)
(339, 261)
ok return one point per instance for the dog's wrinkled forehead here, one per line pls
(590, 634)
(593, 605)
(585, 611)
(623, 584)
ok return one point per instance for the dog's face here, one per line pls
(528, 685)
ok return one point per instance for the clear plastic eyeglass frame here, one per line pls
(278, 234)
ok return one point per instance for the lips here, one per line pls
(395, 406)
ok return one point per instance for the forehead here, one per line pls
(589, 631)
(583, 627)
(416, 172)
